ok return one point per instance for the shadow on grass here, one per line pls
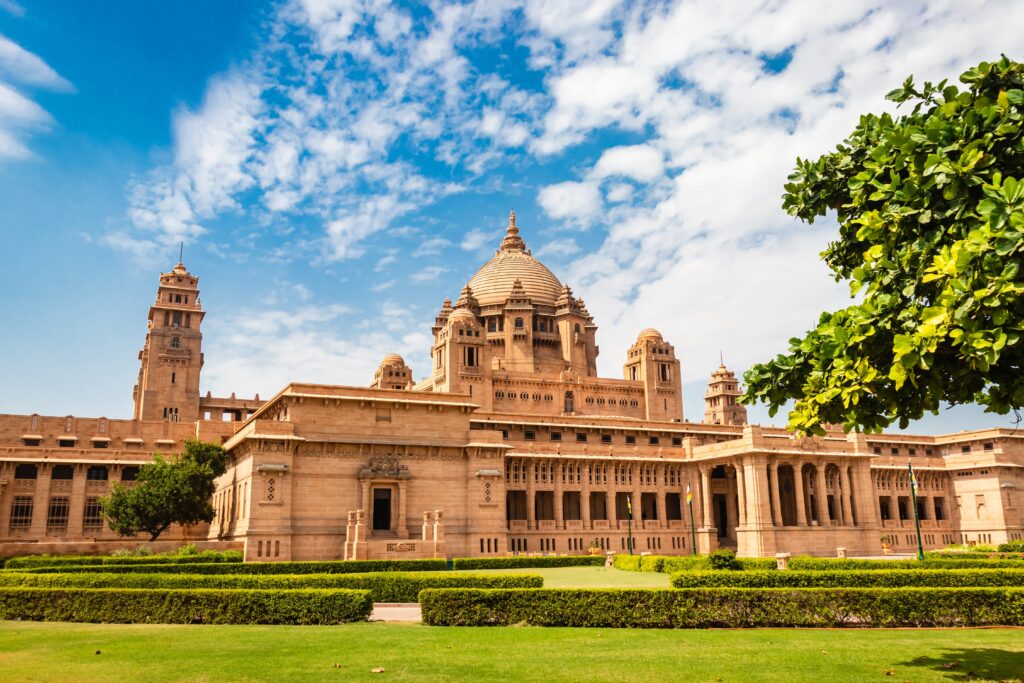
(978, 664)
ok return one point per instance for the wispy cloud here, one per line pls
(20, 116)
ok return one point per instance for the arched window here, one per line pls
(577, 327)
(175, 342)
(570, 404)
(519, 323)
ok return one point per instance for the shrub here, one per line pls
(182, 567)
(1012, 547)
(629, 563)
(724, 558)
(527, 562)
(383, 587)
(31, 561)
(851, 578)
(133, 606)
(725, 607)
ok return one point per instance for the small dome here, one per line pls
(392, 358)
(650, 333)
(462, 314)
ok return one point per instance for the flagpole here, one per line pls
(917, 522)
(693, 530)
(629, 523)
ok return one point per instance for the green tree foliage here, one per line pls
(168, 491)
(930, 208)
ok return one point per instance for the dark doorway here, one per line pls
(381, 509)
(722, 518)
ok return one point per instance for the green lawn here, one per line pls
(589, 577)
(87, 652)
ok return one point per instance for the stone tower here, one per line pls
(172, 357)
(392, 373)
(721, 402)
(653, 361)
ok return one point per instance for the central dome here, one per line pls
(493, 282)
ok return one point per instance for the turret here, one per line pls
(392, 373)
(653, 361)
(721, 402)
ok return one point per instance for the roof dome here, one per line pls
(392, 358)
(493, 282)
(650, 333)
(462, 314)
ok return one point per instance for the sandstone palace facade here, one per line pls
(512, 444)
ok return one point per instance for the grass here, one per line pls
(100, 652)
(590, 577)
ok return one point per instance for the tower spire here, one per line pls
(181, 252)
(512, 241)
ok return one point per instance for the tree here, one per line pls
(930, 207)
(167, 491)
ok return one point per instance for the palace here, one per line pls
(512, 444)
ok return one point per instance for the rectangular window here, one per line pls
(32, 442)
(654, 441)
(21, 512)
(677, 441)
(606, 438)
(93, 516)
(989, 446)
(581, 437)
(894, 451)
(130, 473)
(66, 443)
(529, 435)
(556, 436)
(96, 473)
(57, 515)
(630, 439)
(877, 450)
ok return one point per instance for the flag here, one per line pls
(689, 495)
(913, 479)
(629, 507)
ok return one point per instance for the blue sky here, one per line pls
(337, 167)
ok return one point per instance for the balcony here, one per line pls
(574, 525)
(519, 525)
(545, 525)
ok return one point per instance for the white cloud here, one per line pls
(428, 273)
(20, 65)
(13, 8)
(431, 246)
(643, 163)
(383, 286)
(476, 238)
(563, 246)
(578, 201)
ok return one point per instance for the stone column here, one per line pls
(531, 490)
(637, 497)
(611, 499)
(819, 489)
(403, 530)
(844, 483)
(776, 485)
(705, 485)
(798, 488)
(585, 475)
(659, 496)
(41, 501)
(367, 504)
(76, 509)
(741, 492)
(557, 471)
(730, 492)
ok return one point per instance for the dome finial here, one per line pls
(512, 241)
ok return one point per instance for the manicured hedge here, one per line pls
(335, 567)
(528, 562)
(976, 555)
(683, 563)
(725, 607)
(198, 606)
(825, 564)
(32, 561)
(851, 578)
(383, 586)
(1012, 547)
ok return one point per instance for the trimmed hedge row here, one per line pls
(685, 563)
(725, 607)
(851, 578)
(383, 587)
(825, 564)
(527, 562)
(329, 567)
(32, 561)
(133, 606)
